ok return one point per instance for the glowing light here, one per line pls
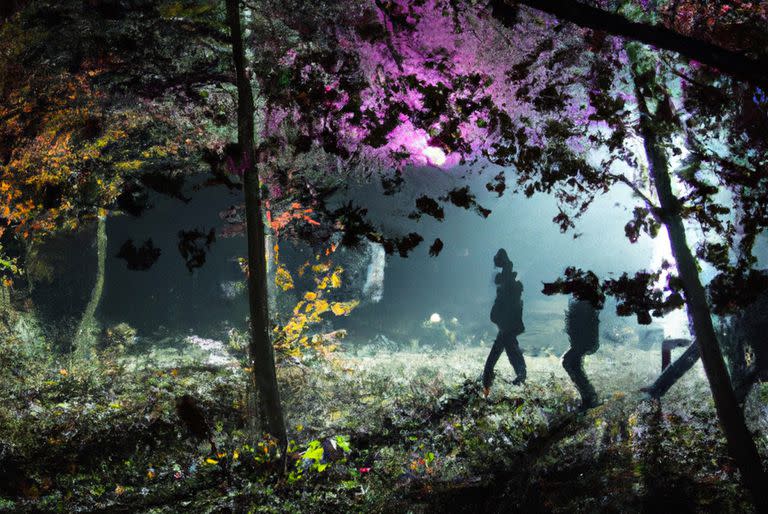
(435, 318)
(435, 156)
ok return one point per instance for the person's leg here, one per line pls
(573, 364)
(491, 361)
(515, 356)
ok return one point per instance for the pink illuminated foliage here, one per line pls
(399, 85)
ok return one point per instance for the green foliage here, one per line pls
(8, 265)
(119, 337)
(313, 458)
(417, 426)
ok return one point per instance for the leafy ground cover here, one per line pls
(371, 432)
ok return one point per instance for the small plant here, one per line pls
(119, 337)
(319, 455)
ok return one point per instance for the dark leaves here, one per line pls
(642, 221)
(403, 245)
(393, 184)
(583, 285)
(436, 248)
(428, 206)
(730, 292)
(564, 221)
(498, 185)
(141, 258)
(717, 254)
(352, 222)
(194, 245)
(462, 197)
(636, 295)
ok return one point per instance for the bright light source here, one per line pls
(435, 318)
(435, 156)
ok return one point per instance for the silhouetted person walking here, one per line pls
(581, 324)
(507, 314)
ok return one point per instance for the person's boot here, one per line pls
(487, 383)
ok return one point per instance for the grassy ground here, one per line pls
(399, 432)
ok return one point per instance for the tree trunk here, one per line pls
(5, 297)
(674, 372)
(743, 377)
(740, 443)
(84, 341)
(260, 349)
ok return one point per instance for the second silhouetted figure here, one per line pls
(582, 323)
(507, 314)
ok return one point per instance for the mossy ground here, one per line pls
(103, 436)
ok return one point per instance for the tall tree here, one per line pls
(740, 443)
(260, 347)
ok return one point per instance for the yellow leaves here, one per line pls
(55, 153)
(63, 372)
(283, 279)
(333, 280)
(336, 278)
(321, 306)
(126, 166)
(344, 308)
(110, 137)
(291, 339)
(316, 307)
(119, 490)
(211, 461)
(321, 268)
(151, 474)
(161, 151)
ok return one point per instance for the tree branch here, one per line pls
(639, 192)
(754, 71)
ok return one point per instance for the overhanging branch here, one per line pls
(754, 71)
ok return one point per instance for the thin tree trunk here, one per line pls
(260, 348)
(84, 340)
(674, 372)
(740, 443)
(5, 297)
(5, 307)
(742, 380)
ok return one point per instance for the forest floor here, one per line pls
(371, 432)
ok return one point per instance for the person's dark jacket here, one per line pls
(507, 310)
